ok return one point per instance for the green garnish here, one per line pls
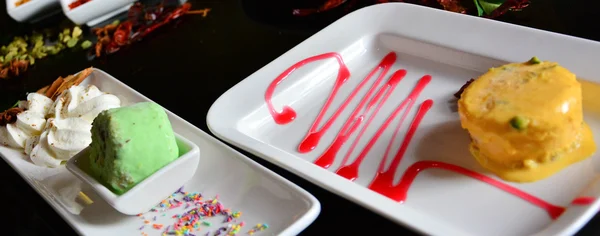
(31, 60)
(486, 7)
(86, 44)
(66, 38)
(534, 60)
(76, 32)
(16, 104)
(29, 48)
(52, 50)
(72, 42)
(519, 122)
(10, 55)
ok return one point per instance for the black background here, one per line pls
(198, 59)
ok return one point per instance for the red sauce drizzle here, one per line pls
(311, 140)
(351, 171)
(383, 181)
(399, 192)
(583, 200)
(288, 114)
(385, 91)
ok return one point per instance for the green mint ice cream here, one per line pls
(129, 144)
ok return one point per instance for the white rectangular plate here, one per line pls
(451, 48)
(240, 183)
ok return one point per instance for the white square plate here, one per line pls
(451, 48)
(240, 183)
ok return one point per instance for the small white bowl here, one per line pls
(32, 9)
(152, 190)
(95, 11)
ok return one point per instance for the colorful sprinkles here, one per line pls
(197, 211)
(258, 228)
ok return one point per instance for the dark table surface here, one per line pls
(210, 55)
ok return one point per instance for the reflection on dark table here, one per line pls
(187, 66)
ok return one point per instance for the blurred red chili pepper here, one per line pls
(112, 47)
(179, 11)
(453, 6)
(509, 5)
(121, 35)
(141, 21)
(328, 5)
(449, 5)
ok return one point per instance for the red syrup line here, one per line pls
(583, 201)
(399, 192)
(385, 91)
(383, 181)
(312, 138)
(288, 114)
(327, 158)
(351, 171)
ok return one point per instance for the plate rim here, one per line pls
(301, 223)
(336, 184)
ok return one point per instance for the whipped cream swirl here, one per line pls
(30, 122)
(68, 128)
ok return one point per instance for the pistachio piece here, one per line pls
(72, 42)
(10, 56)
(77, 32)
(519, 122)
(38, 44)
(86, 44)
(35, 37)
(53, 50)
(534, 60)
(31, 60)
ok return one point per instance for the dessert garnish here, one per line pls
(55, 122)
(10, 116)
(23, 51)
(198, 210)
(61, 84)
